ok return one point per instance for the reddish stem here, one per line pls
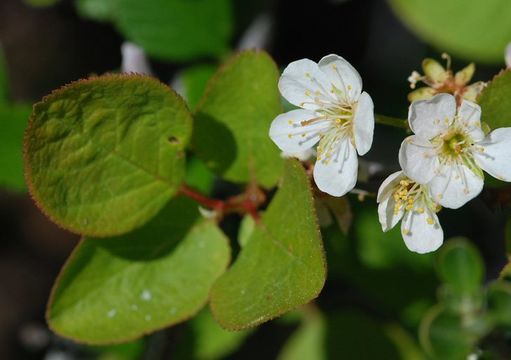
(208, 202)
(246, 203)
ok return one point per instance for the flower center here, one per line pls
(455, 144)
(409, 196)
(341, 120)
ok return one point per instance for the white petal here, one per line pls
(420, 235)
(134, 59)
(495, 157)
(418, 159)
(429, 118)
(389, 184)
(386, 215)
(302, 83)
(337, 174)
(455, 185)
(470, 119)
(363, 123)
(508, 55)
(343, 75)
(290, 136)
(388, 219)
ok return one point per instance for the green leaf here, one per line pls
(198, 176)
(281, 267)
(13, 120)
(443, 335)
(104, 155)
(176, 29)
(234, 117)
(133, 350)
(308, 341)
(460, 267)
(499, 302)
(247, 227)
(496, 110)
(211, 341)
(454, 26)
(195, 79)
(117, 289)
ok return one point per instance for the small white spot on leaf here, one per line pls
(146, 295)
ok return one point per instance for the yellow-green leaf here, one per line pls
(104, 155)
(116, 289)
(281, 266)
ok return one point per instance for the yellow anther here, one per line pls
(307, 74)
(334, 66)
(304, 134)
(349, 87)
(420, 210)
(409, 207)
(290, 122)
(290, 135)
(430, 221)
(406, 232)
(307, 93)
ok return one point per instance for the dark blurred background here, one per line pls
(48, 47)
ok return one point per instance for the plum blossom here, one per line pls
(442, 80)
(400, 198)
(335, 114)
(449, 150)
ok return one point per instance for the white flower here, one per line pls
(335, 112)
(449, 149)
(400, 198)
(134, 59)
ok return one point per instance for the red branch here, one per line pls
(245, 203)
(208, 202)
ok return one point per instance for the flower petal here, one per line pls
(434, 71)
(423, 93)
(363, 123)
(291, 136)
(455, 185)
(463, 76)
(469, 116)
(472, 91)
(337, 174)
(304, 85)
(134, 59)
(418, 159)
(429, 118)
(495, 155)
(422, 232)
(343, 75)
(386, 215)
(388, 185)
